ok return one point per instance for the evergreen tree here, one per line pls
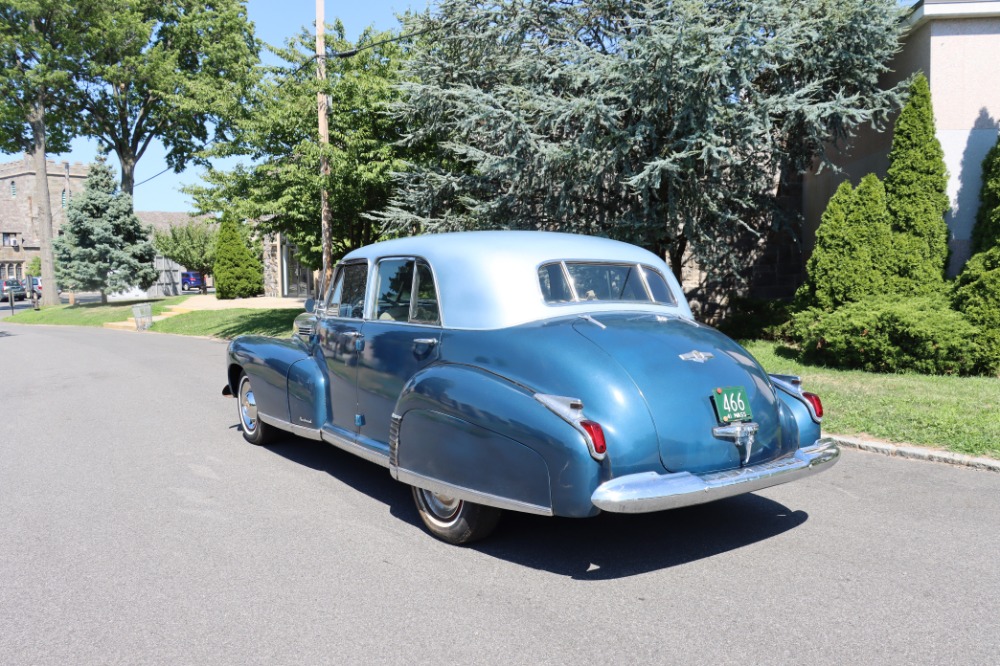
(666, 124)
(238, 272)
(103, 246)
(853, 257)
(986, 233)
(916, 186)
(191, 245)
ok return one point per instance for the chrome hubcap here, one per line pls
(248, 407)
(443, 507)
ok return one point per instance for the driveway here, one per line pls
(138, 527)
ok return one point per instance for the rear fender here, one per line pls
(463, 431)
(798, 421)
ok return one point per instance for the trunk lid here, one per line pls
(677, 365)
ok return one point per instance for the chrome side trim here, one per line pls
(792, 385)
(394, 424)
(649, 491)
(301, 431)
(360, 450)
(469, 495)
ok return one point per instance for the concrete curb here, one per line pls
(918, 453)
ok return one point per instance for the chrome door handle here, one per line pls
(425, 341)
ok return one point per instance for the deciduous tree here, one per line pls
(39, 47)
(191, 245)
(176, 71)
(280, 190)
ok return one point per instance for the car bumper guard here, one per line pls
(649, 491)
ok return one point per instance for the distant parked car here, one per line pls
(36, 286)
(191, 280)
(11, 288)
(530, 371)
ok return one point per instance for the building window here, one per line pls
(17, 270)
(13, 188)
(9, 240)
(64, 199)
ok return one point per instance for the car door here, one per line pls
(340, 339)
(401, 337)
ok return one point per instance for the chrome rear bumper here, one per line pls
(649, 491)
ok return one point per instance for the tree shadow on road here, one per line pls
(606, 547)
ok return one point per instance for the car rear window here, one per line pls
(569, 281)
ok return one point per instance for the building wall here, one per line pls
(966, 93)
(19, 214)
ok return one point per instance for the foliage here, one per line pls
(986, 233)
(238, 272)
(916, 185)
(191, 245)
(171, 70)
(280, 190)
(753, 319)
(669, 125)
(103, 247)
(976, 294)
(34, 267)
(907, 408)
(36, 52)
(896, 334)
(854, 250)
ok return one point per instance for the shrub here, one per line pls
(976, 294)
(238, 272)
(986, 233)
(916, 193)
(896, 334)
(853, 256)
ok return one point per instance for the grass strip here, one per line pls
(228, 324)
(955, 413)
(89, 314)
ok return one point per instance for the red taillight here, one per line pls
(596, 436)
(816, 403)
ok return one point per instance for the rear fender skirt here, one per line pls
(489, 441)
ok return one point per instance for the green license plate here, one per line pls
(731, 404)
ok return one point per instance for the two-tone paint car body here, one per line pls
(548, 373)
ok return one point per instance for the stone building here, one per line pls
(19, 229)
(284, 274)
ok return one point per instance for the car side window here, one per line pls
(425, 305)
(347, 299)
(395, 287)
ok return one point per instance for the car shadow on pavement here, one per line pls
(605, 547)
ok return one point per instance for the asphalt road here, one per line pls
(137, 527)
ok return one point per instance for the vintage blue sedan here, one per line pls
(530, 371)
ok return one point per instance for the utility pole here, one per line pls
(324, 141)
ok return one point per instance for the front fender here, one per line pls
(472, 430)
(268, 362)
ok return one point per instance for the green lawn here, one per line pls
(230, 323)
(89, 314)
(955, 413)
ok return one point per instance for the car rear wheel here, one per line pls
(453, 520)
(255, 431)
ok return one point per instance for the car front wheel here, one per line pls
(255, 431)
(453, 520)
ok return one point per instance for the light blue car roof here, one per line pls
(489, 279)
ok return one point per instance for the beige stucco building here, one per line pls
(956, 43)
(19, 231)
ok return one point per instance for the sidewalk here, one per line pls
(210, 302)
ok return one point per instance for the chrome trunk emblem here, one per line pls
(696, 356)
(742, 435)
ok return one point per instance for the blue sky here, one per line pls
(274, 21)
